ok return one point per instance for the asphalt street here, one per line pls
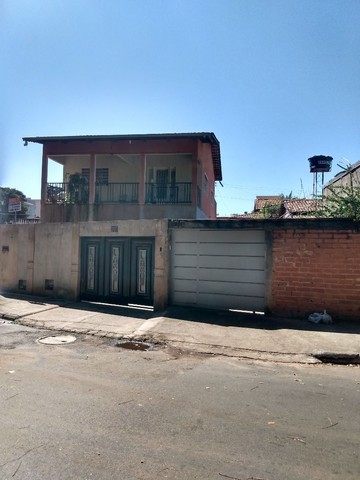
(92, 410)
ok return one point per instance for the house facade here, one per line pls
(130, 177)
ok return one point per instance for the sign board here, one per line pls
(14, 204)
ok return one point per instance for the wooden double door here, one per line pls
(117, 270)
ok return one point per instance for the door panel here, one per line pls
(91, 268)
(141, 271)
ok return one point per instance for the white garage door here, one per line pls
(218, 268)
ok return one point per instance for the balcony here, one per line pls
(117, 193)
(69, 194)
(168, 193)
(65, 193)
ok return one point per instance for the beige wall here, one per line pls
(126, 167)
(40, 252)
(117, 211)
(122, 168)
(181, 162)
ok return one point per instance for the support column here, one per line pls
(194, 181)
(92, 178)
(142, 179)
(44, 176)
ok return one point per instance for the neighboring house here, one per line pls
(303, 207)
(129, 177)
(349, 176)
(264, 201)
(275, 206)
(33, 209)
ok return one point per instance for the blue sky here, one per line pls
(277, 81)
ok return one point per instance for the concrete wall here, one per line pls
(119, 211)
(50, 254)
(32, 254)
(312, 265)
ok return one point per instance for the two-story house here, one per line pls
(129, 177)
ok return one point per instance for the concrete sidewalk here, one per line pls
(204, 331)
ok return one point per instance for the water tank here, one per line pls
(320, 163)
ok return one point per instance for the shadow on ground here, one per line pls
(223, 318)
(248, 320)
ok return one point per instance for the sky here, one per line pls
(277, 81)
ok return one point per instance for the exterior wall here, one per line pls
(37, 253)
(181, 162)
(73, 164)
(311, 265)
(316, 269)
(51, 252)
(125, 169)
(119, 211)
(346, 179)
(208, 205)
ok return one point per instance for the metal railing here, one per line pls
(66, 193)
(168, 193)
(117, 193)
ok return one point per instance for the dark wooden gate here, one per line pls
(117, 270)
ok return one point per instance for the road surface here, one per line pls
(91, 410)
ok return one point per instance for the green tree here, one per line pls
(344, 200)
(5, 194)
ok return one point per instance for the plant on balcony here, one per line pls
(78, 188)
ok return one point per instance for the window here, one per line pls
(102, 175)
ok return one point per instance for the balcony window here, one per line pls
(102, 175)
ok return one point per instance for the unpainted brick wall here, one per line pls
(313, 270)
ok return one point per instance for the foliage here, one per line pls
(271, 210)
(290, 196)
(78, 188)
(5, 194)
(343, 201)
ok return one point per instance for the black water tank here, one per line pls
(320, 163)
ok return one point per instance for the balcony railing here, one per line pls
(168, 193)
(117, 193)
(65, 193)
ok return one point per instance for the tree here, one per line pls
(344, 200)
(5, 194)
(271, 210)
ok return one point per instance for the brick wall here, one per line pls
(315, 269)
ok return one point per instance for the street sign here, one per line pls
(14, 204)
